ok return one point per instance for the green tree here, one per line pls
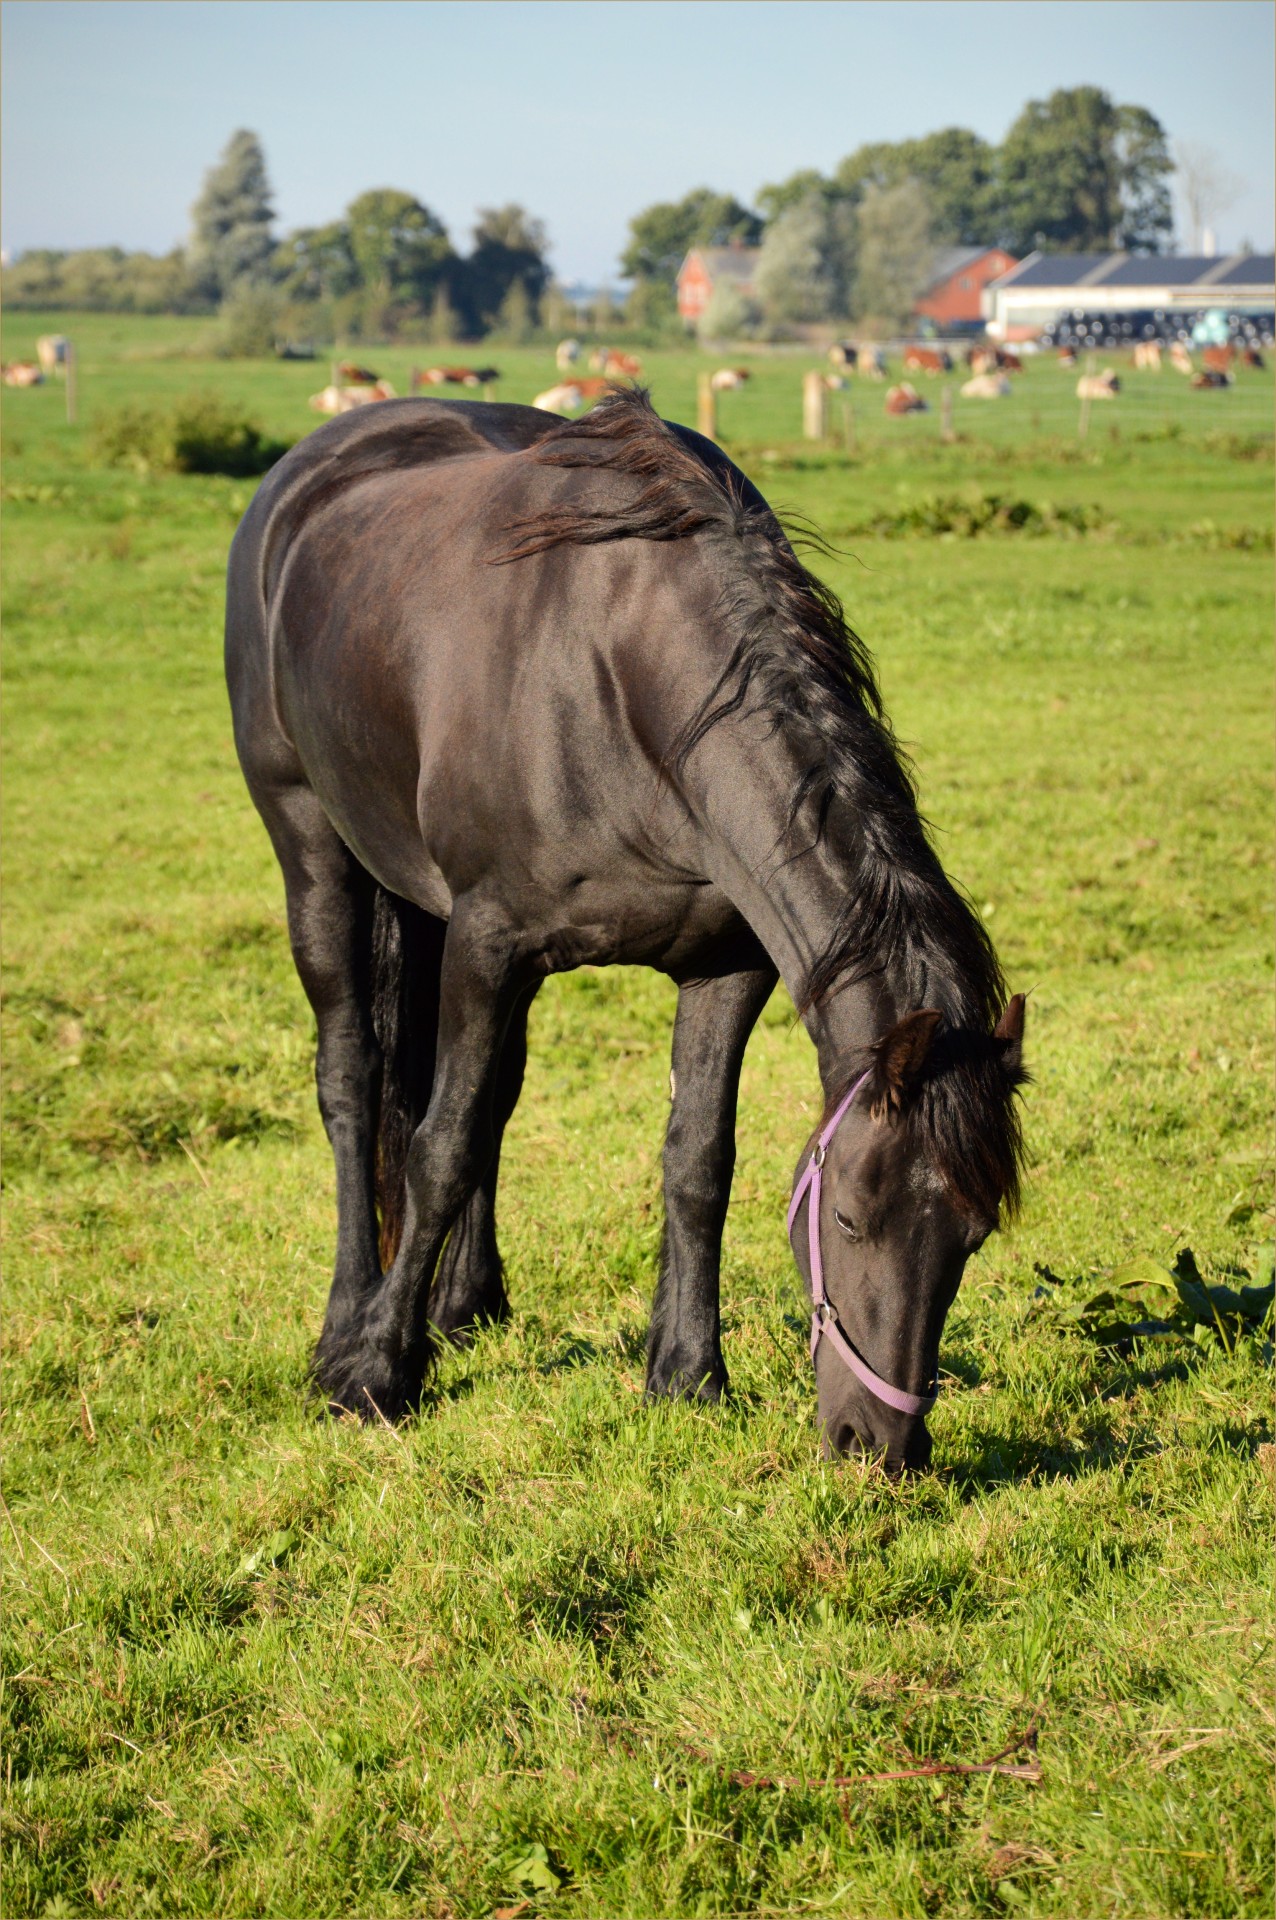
(316, 263)
(509, 250)
(957, 170)
(807, 261)
(232, 218)
(400, 249)
(895, 254)
(661, 236)
(803, 185)
(1079, 173)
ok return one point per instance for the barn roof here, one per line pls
(1085, 270)
(951, 260)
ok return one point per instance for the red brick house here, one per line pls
(707, 268)
(960, 276)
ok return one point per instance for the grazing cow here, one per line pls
(981, 360)
(842, 354)
(1067, 359)
(1147, 356)
(1211, 377)
(22, 373)
(871, 363)
(927, 360)
(1181, 359)
(561, 399)
(905, 399)
(356, 376)
(51, 351)
(986, 386)
(728, 379)
(295, 350)
(1098, 386)
(1218, 359)
(609, 360)
(345, 399)
(566, 354)
(1251, 357)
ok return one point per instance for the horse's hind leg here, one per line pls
(715, 1018)
(330, 903)
(469, 1283)
(378, 1367)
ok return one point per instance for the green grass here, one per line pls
(524, 1652)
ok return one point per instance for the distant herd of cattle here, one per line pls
(988, 367)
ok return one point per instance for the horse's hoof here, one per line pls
(354, 1378)
(708, 1384)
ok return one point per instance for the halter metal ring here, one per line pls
(817, 1158)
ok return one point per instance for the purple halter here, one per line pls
(824, 1323)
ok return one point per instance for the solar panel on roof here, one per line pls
(1256, 270)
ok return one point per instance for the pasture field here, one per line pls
(547, 1650)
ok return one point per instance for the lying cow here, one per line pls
(927, 360)
(905, 399)
(356, 376)
(608, 360)
(1067, 358)
(1211, 377)
(986, 386)
(561, 399)
(1098, 386)
(1251, 357)
(345, 399)
(22, 373)
(728, 379)
(981, 360)
(453, 377)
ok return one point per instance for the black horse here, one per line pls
(515, 695)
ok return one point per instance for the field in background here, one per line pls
(546, 1650)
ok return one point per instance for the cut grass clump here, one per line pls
(198, 434)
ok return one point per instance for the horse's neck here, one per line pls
(790, 887)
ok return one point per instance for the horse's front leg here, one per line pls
(715, 1018)
(380, 1368)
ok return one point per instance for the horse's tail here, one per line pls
(407, 948)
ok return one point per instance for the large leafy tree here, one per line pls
(807, 260)
(662, 235)
(1080, 173)
(506, 273)
(316, 263)
(231, 220)
(895, 252)
(954, 167)
(400, 249)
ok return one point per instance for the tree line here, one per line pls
(1076, 172)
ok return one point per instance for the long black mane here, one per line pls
(796, 659)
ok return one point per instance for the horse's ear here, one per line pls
(1009, 1030)
(899, 1058)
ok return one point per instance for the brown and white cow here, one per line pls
(22, 373)
(930, 360)
(336, 399)
(728, 379)
(1098, 386)
(904, 399)
(564, 398)
(1211, 377)
(987, 386)
(453, 377)
(610, 360)
(1218, 359)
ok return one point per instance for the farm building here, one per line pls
(1046, 286)
(705, 269)
(959, 276)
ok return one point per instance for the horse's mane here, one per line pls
(796, 659)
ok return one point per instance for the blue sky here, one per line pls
(584, 112)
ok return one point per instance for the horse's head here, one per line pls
(906, 1177)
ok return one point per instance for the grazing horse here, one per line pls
(515, 695)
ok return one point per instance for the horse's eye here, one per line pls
(848, 1227)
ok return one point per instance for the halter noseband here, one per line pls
(824, 1321)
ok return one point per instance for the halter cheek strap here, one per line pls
(824, 1321)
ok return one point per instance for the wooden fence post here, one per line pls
(814, 407)
(848, 424)
(706, 407)
(70, 383)
(1083, 424)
